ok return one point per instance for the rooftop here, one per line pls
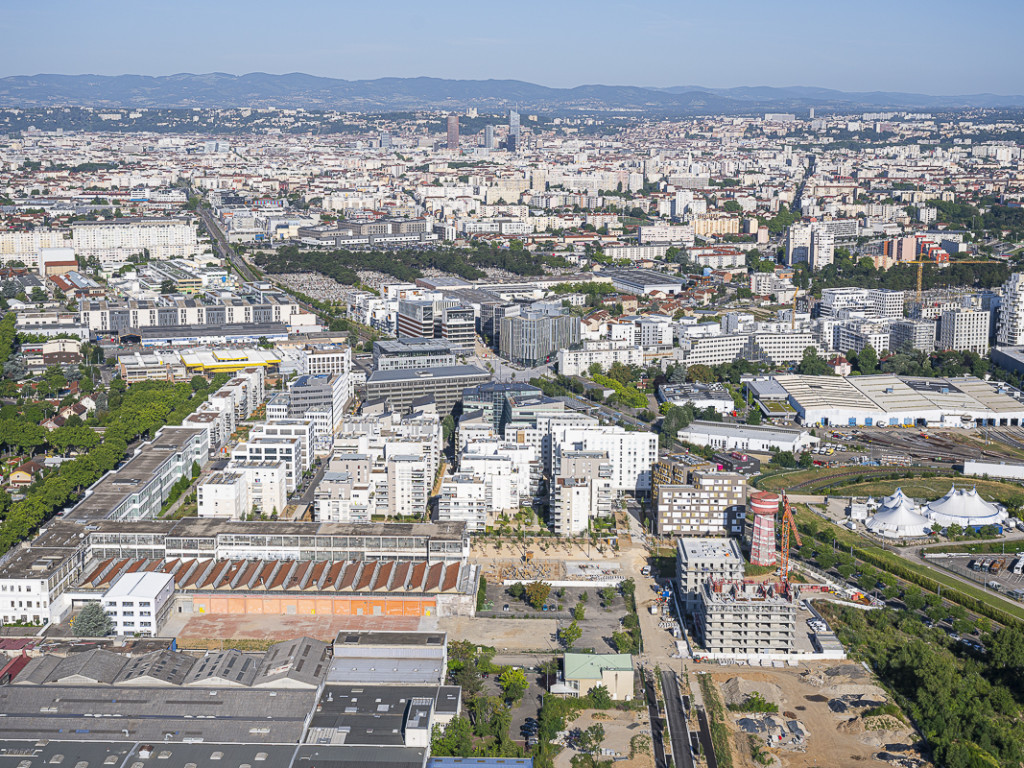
(705, 550)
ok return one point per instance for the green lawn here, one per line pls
(826, 475)
(930, 488)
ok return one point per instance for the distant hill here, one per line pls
(393, 93)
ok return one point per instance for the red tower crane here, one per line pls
(788, 524)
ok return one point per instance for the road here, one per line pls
(657, 727)
(678, 729)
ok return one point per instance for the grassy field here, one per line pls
(822, 478)
(929, 488)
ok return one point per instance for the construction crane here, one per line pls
(788, 525)
(922, 262)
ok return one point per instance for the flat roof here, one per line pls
(141, 584)
(415, 374)
(709, 550)
(115, 487)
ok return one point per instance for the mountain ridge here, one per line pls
(301, 90)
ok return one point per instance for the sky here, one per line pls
(927, 46)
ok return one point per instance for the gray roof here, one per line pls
(443, 372)
(345, 756)
(33, 753)
(154, 714)
(301, 661)
(97, 666)
(160, 666)
(229, 667)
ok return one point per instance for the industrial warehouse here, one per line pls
(892, 401)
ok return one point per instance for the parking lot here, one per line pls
(597, 626)
(988, 572)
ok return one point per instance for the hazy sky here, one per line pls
(928, 46)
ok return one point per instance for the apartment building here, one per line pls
(699, 560)
(138, 603)
(965, 330)
(1010, 323)
(463, 498)
(738, 619)
(576, 362)
(115, 241)
(408, 485)
(713, 505)
(581, 490)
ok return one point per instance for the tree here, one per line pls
(537, 593)
(455, 740)
(569, 635)
(700, 373)
(513, 683)
(754, 416)
(167, 286)
(867, 360)
(811, 364)
(591, 739)
(448, 427)
(92, 621)
(599, 697)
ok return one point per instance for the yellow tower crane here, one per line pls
(922, 262)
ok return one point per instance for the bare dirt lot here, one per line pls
(812, 695)
(503, 634)
(619, 729)
(274, 628)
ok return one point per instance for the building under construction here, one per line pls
(742, 617)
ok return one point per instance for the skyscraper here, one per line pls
(453, 131)
(1010, 325)
(513, 123)
(488, 137)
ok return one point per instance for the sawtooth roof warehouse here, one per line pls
(903, 401)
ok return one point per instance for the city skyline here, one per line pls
(664, 45)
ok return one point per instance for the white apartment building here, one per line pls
(138, 603)
(575, 362)
(223, 495)
(266, 448)
(463, 498)
(408, 486)
(266, 484)
(713, 505)
(26, 246)
(115, 241)
(341, 498)
(632, 454)
(856, 335)
(581, 491)
(1010, 322)
(298, 428)
(965, 329)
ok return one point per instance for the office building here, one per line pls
(412, 353)
(535, 336)
(458, 328)
(324, 393)
(700, 560)
(445, 385)
(490, 398)
(453, 132)
(713, 505)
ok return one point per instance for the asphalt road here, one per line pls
(657, 726)
(678, 729)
